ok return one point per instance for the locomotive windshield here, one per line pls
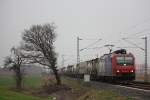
(125, 61)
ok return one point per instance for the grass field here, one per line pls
(79, 90)
(6, 93)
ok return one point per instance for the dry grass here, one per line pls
(140, 77)
(86, 92)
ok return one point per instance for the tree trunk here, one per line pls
(57, 76)
(19, 83)
(18, 79)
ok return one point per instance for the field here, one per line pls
(78, 90)
(8, 93)
(87, 92)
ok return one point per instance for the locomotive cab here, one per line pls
(123, 65)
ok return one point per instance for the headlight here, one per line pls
(118, 71)
(132, 71)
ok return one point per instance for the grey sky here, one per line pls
(106, 19)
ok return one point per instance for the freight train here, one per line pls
(118, 65)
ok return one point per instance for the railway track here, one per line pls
(133, 84)
(139, 85)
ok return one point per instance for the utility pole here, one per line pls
(78, 52)
(145, 75)
(62, 60)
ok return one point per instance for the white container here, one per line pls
(86, 78)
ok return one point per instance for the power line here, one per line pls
(89, 39)
(125, 39)
(97, 47)
(90, 45)
(140, 32)
(134, 26)
(126, 47)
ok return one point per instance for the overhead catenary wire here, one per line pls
(140, 32)
(89, 39)
(130, 37)
(95, 47)
(134, 26)
(90, 45)
(67, 58)
(125, 39)
(126, 47)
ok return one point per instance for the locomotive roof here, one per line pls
(121, 51)
(117, 52)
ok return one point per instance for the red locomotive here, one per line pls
(123, 65)
(118, 65)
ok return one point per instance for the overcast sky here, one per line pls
(109, 20)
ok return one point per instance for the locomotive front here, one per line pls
(123, 65)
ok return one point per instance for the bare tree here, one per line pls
(14, 62)
(38, 46)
